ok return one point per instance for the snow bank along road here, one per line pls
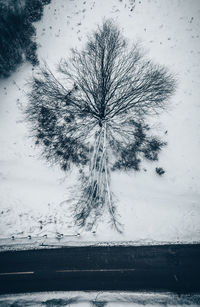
(153, 268)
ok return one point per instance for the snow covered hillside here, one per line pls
(35, 198)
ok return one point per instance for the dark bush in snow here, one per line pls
(17, 33)
(160, 171)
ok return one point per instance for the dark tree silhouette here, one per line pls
(94, 114)
(17, 33)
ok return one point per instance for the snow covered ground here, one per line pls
(35, 198)
(99, 299)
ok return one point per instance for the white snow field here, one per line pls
(102, 299)
(35, 198)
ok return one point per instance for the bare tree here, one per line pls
(94, 115)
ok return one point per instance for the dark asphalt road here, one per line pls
(151, 268)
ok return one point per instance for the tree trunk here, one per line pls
(96, 195)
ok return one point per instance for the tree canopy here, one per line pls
(94, 115)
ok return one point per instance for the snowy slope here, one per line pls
(35, 198)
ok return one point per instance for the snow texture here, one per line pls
(108, 299)
(35, 198)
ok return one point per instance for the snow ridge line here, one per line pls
(53, 243)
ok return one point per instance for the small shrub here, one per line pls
(160, 171)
